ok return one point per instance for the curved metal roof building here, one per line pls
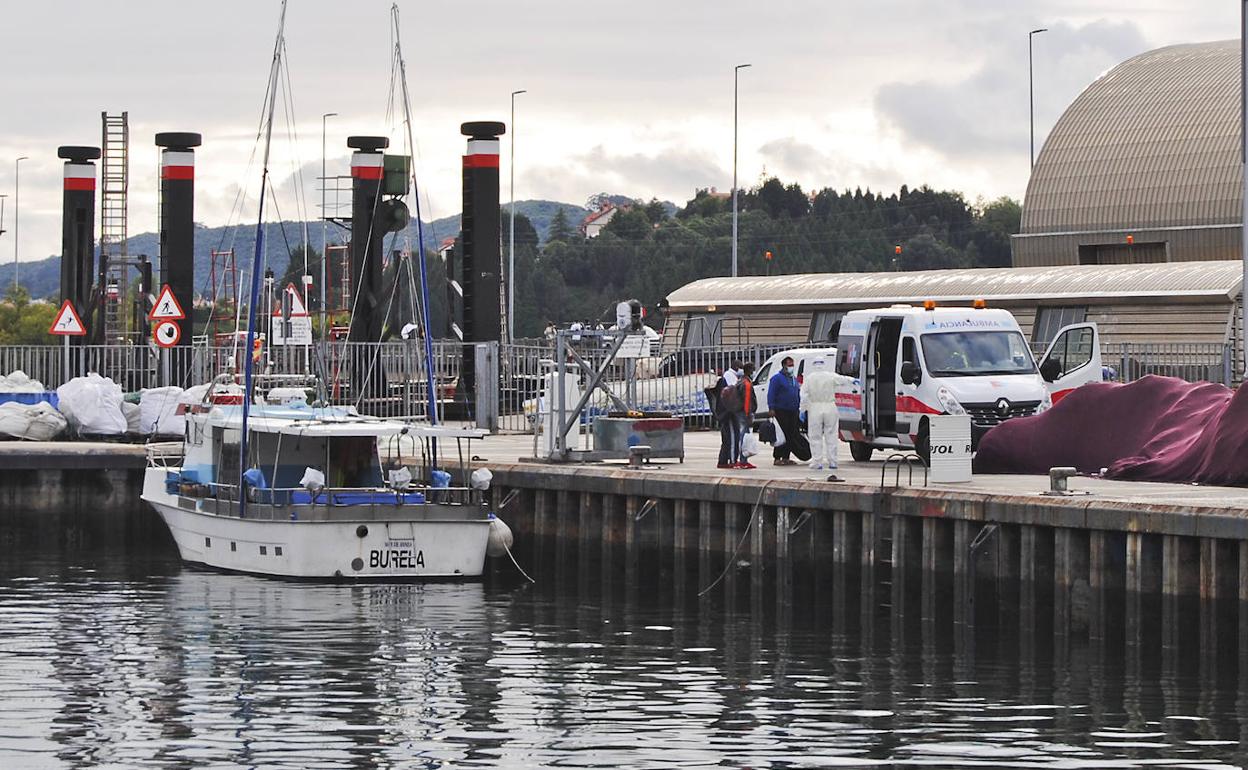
(1150, 150)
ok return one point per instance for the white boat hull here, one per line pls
(419, 548)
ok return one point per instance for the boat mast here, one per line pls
(430, 386)
(274, 82)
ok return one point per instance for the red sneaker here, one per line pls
(743, 465)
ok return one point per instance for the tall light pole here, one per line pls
(1243, 233)
(17, 202)
(1031, 95)
(511, 240)
(2, 197)
(736, 71)
(324, 236)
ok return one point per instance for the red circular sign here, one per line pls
(166, 334)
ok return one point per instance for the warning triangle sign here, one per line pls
(166, 307)
(297, 307)
(67, 323)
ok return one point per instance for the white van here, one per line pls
(801, 359)
(909, 362)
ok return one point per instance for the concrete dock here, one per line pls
(1103, 561)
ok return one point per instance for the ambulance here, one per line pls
(906, 363)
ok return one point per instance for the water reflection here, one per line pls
(113, 660)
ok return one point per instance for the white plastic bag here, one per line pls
(159, 412)
(481, 479)
(780, 438)
(313, 480)
(749, 445)
(400, 478)
(134, 417)
(92, 404)
(19, 382)
(32, 422)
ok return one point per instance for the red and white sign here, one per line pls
(67, 323)
(177, 164)
(166, 307)
(80, 176)
(482, 153)
(368, 165)
(298, 309)
(166, 334)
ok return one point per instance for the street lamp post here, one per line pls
(511, 239)
(17, 202)
(1031, 95)
(735, 72)
(1243, 233)
(2, 197)
(324, 236)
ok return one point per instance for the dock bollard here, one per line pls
(1058, 480)
(638, 455)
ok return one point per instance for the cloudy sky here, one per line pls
(634, 98)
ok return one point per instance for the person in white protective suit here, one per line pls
(818, 403)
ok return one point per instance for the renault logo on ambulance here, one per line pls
(1003, 407)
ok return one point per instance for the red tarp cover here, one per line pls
(1153, 429)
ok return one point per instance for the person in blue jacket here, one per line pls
(783, 403)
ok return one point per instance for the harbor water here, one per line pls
(115, 659)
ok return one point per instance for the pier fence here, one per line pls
(388, 379)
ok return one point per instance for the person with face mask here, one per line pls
(726, 406)
(818, 401)
(784, 404)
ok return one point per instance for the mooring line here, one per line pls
(518, 567)
(733, 559)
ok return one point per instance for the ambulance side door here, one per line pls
(851, 362)
(1072, 359)
(908, 380)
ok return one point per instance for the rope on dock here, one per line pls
(518, 567)
(758, 504)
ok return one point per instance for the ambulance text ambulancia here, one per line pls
(906, 363)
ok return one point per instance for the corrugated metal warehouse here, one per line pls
(1183, 308)
(1148, 153)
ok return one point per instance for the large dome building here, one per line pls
(1144, 166)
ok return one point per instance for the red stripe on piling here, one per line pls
(80, 183)
(177, 172)
(367, 172)
(480, 161)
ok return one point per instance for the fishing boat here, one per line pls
(306, 490)
(328, 494)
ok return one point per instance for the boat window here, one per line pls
(353, 462)
(225, 449)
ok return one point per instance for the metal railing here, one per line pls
(1191, 361)
(672, 383)
(388, 379)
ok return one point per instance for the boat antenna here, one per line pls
(430, 391)
(271, 96)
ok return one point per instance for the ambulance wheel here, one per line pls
(923, 443)
(860, 452)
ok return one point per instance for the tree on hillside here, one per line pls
(656, 212)
(23, 322)
(526, 234)
(630, 224)
(705, 204)
(560, 228)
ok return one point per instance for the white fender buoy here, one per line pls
(500, 538)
